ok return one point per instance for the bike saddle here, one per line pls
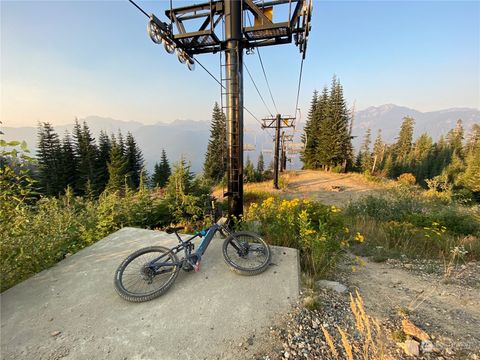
(171, 230)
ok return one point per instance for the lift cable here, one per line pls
(203, 67)
(139, 8)
(298, 89)
(218, 81)
(256, 88)
(264, 73)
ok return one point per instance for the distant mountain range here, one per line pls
(190, 138)
(389, 118)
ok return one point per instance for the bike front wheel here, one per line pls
(146, 274)
(246, 253)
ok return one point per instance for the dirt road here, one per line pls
(329, 188)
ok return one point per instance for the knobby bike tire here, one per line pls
(238, 268)
(147, 296)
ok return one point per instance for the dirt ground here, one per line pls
(446, 306)
(329, 188)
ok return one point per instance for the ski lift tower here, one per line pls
(193, 30)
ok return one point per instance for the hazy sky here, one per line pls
(62, 59)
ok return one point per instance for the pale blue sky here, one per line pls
(62, 59)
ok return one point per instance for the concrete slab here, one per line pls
(71, 311)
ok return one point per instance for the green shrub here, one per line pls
(37, 237)
(404, 222)
(316, 230)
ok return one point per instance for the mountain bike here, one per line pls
(150, 272)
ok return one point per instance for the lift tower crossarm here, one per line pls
(278, 122)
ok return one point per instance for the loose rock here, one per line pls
(411, 347)
(332, 285)
(410, 329)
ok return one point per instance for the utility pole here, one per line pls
(278, 122)
(237, 36)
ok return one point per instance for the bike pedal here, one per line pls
(197, 266)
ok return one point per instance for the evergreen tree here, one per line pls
(182, 192)
(455, 139)
(134, 158)
(104, 148)
(215, 163)
(470, 179)
(260, 167)
(162, 171)
(378, 151)
(49, 160)
(403, 147)
(334, 147)
(68, 163)
(117, 169)
(86, 152)
(420, 158)
(310, 132)
(249, 171)
(366, 160)
(324, 136)
(120, 142)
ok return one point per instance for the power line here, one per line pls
(258, 91)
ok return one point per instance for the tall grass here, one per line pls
(369, 341)
(406, 222)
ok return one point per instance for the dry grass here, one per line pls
(371, 344)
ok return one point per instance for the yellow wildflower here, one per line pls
(359, 237)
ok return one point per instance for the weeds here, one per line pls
(403, 222)
(368, 343)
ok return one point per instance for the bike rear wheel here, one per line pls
(137, 279)
(246, 253)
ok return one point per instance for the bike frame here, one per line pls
(187, 246)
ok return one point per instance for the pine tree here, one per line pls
(366, 160)
(162, 171)
(215, 163)
(49, 160)
(134, 158)
(334, 147)
(249, 171)
(86, 152)
(68, 162)
(117, 169)
(180, 191)
(260, 167)
(420, 158)
(104, 148)
(470, 179)
(378, 152)
(324, 136)
(455, 139)
(403, 147)
(310, 132)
